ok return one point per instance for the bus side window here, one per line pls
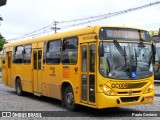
(70, 49)
(27, 54)
(53, 52)
(18, 56)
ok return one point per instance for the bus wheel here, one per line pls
(69, 98)
(19, 87)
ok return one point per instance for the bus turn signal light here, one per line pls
(149, 89)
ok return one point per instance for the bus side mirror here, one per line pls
(154, 49)
(153, 52)
(101, 51)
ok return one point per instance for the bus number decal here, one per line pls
(52, 71)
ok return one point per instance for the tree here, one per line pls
(2, 40)
(1, 19)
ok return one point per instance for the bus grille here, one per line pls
(136, 85)
(129, 99)
(134, 92)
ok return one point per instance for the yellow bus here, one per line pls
(98, 67)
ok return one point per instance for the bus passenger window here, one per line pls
(53, 52)
(18, 57)
(70, 48)
(27, 54)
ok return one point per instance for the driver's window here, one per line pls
(104, 62)
(104, 66)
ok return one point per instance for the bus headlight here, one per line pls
(106, 90)
(149, 89)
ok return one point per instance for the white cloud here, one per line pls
(24, 16)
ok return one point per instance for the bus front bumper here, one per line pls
(105, 101)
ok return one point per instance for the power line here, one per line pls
(82, 21)
(105, 16)
(108, 14)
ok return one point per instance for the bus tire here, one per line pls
(19, 87)
(69, 99)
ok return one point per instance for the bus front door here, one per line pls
(88, 75)
(8, 68)
(37, 58)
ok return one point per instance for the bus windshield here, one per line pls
(126, 60)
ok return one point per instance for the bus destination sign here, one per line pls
(123, 34)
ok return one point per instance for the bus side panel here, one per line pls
(55, 89)
(18, 72)
(51, 76)
(27, 77)
(4, 75)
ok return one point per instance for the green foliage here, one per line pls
(2, 40)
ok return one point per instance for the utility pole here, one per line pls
(55, 26)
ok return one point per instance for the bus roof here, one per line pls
(72, 33)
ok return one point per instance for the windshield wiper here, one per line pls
(120, 49)
(123, 53)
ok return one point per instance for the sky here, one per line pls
(24, 16)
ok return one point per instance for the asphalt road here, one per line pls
(9, 101)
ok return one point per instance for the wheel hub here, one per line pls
(69, 98)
